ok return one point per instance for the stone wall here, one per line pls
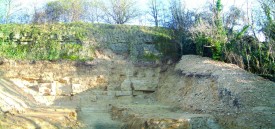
(132, 40)
(135, 41)
(108, 72)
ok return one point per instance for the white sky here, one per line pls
(190, 4)
(193, 4)
(28, 5)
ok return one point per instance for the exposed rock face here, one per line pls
(108, 72)
(134, 41)
(141, 79)
(19, 110)
(11, 100)
(161, 117)
(195, 93)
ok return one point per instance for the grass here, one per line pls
(68, 41)
(43, 42)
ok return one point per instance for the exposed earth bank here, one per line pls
(236, 98)
(113, 92)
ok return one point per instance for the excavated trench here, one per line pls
(110, 92)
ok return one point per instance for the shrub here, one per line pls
(43, 42)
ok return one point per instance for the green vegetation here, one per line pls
(230, 36)
(217, 39)
(44, 42)
(250, 53)
(163, 40)
(151, 57)
(78, 41)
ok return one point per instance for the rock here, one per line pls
(1, 62)
(135, 93)
(63, 89)
(77, 88)
(66, 80)
(124, 93)
(11, 99)
(54, 87)
(101, 79)
(111, 93)
(93, 98)
(144, 85)
(32, 62)
(160, 117)
(126, 85)
(45, 89)
(22, 83)
(48, 76)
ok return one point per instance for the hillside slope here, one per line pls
(238, 98)
(197, 92)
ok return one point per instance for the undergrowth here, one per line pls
(44, 42)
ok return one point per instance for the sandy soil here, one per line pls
(111, 92)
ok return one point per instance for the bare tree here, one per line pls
(2, 11)
(177, 14)
(76, 10)
(73, 9)
(119, 11)
(39, 17)
(35, 11)
(233, 18)
(53, 11)
(181, 19)
(155, 8)
(10, 8)
(92, 11)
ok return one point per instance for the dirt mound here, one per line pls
(240, 99)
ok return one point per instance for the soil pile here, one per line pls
(236, 97)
